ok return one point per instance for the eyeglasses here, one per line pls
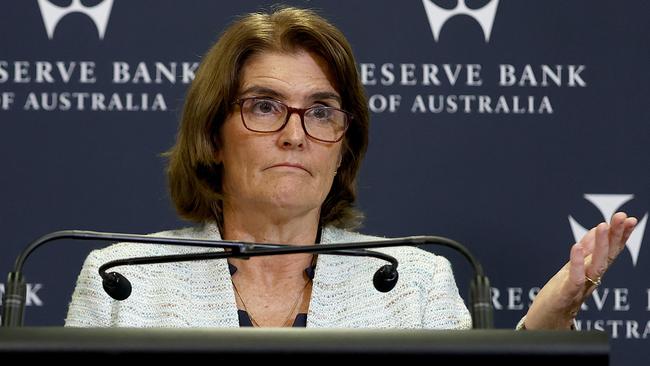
(323, 123)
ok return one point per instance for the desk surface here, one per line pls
(496, 345)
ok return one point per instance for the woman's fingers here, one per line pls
(629, 225)
(577, 267)
(588, 241)
(617, 227)
(598, 264)
(620, 230)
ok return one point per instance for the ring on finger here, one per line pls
(595, 282)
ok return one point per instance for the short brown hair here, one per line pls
(194, 177)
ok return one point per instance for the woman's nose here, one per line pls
(293, 134)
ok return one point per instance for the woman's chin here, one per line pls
(291, 199)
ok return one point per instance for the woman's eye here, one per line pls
(321, 112)
(264, 106)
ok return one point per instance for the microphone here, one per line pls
(119, 287)
(385, 278)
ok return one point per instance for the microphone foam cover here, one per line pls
(385, 278)
(117, 286)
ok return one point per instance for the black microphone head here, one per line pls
(385, 278)
(117, 286)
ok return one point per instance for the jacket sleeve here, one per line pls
(444, 307)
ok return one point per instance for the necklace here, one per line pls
(287, 322)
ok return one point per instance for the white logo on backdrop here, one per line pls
(52, 14)
(608, 204)
(439, 16)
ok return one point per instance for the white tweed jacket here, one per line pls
(200, 294)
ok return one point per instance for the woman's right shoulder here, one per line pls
(134, 249)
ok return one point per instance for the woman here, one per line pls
(273, 132)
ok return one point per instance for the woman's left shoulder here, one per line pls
(405, 254)
(333, 235)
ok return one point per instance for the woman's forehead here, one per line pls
(295, 74)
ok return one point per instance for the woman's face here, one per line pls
(287, 171)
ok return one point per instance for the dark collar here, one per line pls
(309, 271)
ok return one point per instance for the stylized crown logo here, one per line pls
(52, 14)
(439, 16)
(608, 204)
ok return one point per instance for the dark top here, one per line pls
(301, 318)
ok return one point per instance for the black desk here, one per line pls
(498, 347)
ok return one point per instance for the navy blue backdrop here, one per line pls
(507, 125)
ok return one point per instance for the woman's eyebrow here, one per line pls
(326, 95)
(266, 91)
(261, 90)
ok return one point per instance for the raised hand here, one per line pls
(558, 302)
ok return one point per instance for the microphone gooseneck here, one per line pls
(481, 302)
(384, 279)
(119, 287)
